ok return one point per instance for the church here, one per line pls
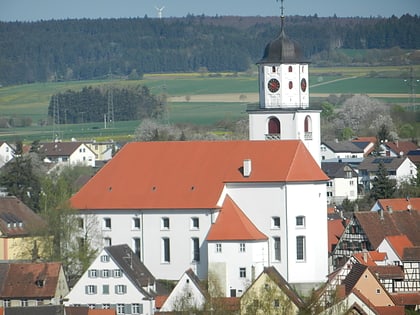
(226, 209)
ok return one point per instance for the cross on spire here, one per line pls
(281, 13)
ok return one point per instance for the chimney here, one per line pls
(247, 167)
(381, 213)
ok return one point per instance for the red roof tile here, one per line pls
(401, 146)
(377, 226)
(22, 280)
(191, 174)
(369, 258)
(17, 219)
(398, 243)
(233, 225)
(412, 298)
(399, 204)
(335, 230)
(159, 300)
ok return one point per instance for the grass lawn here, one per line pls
(32, 100)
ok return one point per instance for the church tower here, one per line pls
(282, 112)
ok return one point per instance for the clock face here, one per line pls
(273, 85)
(303, 85)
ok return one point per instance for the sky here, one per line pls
(35, 10)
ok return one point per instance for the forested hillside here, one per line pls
(86, 49)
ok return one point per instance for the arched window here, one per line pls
(273, 129)
(308, 128)
(290, 69)
(273, 125)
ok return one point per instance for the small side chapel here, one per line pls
(282, 112)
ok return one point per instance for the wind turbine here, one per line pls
(160, 10)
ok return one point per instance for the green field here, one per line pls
(31, 100)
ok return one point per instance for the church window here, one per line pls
(300, 221)
(136, 224)
(195, 223)
(277, 248)
(275, 222)
(165, 224)
(273, 126)
(290, 69)
(166, 252)
(290, 85)
(273, 69)
(300, 248)
(137, 246)
(308, 128)
(195, 249)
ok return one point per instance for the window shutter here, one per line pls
(86, 289)
(127, 308)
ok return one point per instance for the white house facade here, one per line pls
(68, 153)
(6, 153)
(112, 282)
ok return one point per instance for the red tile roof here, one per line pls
(159, 300)
(412, 298)
(369, 258)
(377, 227)
(31, 280)
(191, 174)
(399, 204)
(335, 230)
(233, 225)
(401, 146)
(398, 243)
(17, 219)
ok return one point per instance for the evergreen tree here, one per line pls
(382, 186)
(20, 180)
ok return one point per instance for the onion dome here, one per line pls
(282, 50)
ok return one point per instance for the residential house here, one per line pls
(31, 284)
(19, 226)
(236, 255)
(6, 153)
(414, 156)
(171, 194)
(116, 279)
(188, 295)
(67, 153)
(270, 293)
(362, 293)
(400, 169)
(401, 252)
(103, 150)
(340, 150)
(343, 183)
(396, 204)
(397, 148)
(335, 230)
(365, 143)
(366, 230)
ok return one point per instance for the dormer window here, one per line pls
(40, 283)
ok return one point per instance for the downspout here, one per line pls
(142, 237)
(287, 234)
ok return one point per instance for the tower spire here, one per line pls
(281, 13)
